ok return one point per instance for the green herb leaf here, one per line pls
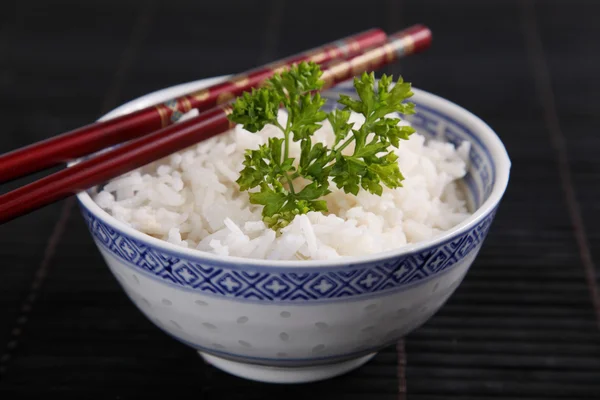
(256, 109)
(313, 191)
(347, 172)
(389, 128)
(313, 160)
(387, 170)
(339, 122)
(306, 116)
(300, 78)
(351, 104)
(364, 89)
(271, 200)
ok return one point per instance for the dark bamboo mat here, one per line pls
(523, 324)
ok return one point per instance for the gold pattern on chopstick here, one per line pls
(390, 53)
(376, 56)
(333, 53)
(225, 97)
(201, 95)
(328, 79)
(313, 52)
(227, 110)
(403, 45)
(240, 80)
(276, 67)
(409, 44)
(341, 70)
(186, 105)
(354, 46)
(162, 112)
(360, 63)
(337, 71)
(319, 57)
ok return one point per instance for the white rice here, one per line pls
(191, 199)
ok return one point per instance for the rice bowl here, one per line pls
(304, 306)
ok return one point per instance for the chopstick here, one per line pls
(96, 136)
(168, 140)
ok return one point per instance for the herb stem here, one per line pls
(337, 151)
(344, 145)
(291, 185)
(286, 150)
(286, 137)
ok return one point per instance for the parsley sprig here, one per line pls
(370, 165)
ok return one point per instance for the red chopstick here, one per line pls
(161, 143)
(94, 137)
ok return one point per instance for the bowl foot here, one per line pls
(266, 374)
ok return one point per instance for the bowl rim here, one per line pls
(484, 132)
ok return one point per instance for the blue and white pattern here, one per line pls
(282, 284)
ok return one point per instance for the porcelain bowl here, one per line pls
(301, 321)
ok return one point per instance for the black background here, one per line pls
(523, 325)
